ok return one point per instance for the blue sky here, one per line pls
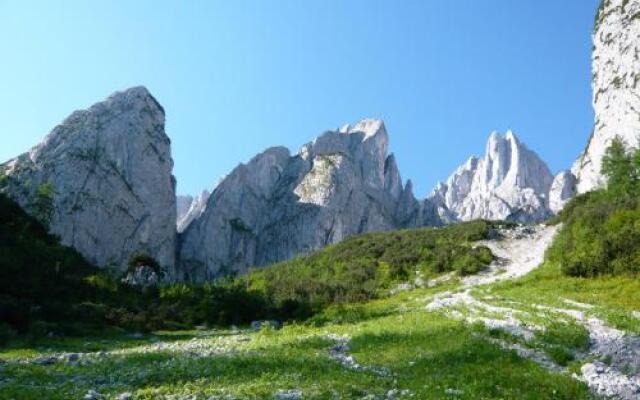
(238, 76)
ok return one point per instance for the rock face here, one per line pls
(109, 168)
(616, 86)
(183, 204)
(279, 205)
(510, 182)
(195, 209)
(562, 190)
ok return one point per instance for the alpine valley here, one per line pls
(318, 273)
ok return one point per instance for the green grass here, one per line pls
(428, 354)
(615, 297)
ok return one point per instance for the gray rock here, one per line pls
(195, 210)
(616, 87)
(288, 395)
(109, 171)
(141, 276)
(93, 395)
(183, 203)
(259, 325)
(125, 396)
(280, 205)
(44, 360)
(562, 190)
(509, 183)
(453, 392)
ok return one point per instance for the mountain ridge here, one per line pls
(281, 204)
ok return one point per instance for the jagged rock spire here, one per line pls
(509, 182)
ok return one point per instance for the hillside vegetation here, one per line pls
(363, 267)
(49, 288)
(348, 332)
(601, 232)
(595, 257)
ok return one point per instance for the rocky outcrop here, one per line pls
(280, 205)
(195, 209)
(616, 87)
(509, 183)
(183, 204)
(562, 190)
(107, 171)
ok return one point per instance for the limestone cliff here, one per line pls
(616, 87)
(107, 170)
(280, 205)
(510, 182)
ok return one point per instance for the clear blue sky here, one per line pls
(236, 77)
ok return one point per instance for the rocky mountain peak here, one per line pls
(509, 182)
(108, 169)
(562, 190)
(277, 206)
(369, 127)
(183, 203)
(195, 209)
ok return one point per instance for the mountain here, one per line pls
(616, 79)
(562, 190)
(102, 182)
(194, 210)
(280, 205)
(183, 204)
(510, 182)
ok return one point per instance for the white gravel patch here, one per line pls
(616, 371)
(519, 252)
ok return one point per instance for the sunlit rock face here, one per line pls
(509, 183)
(194, 210)
(280, 205)
(616, 87)
(109, 168)
(183, 204)
(562, 190)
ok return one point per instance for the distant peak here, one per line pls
(132, 94)
(510, 135)
(368, 126)
(496, 136)
(135, 91)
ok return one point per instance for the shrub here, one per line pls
(43, 206)
(362, 267)
(601, 232)
(46, 287)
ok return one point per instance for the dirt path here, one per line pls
(612, 363)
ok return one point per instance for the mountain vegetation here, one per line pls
(48, 288)
(601, 232)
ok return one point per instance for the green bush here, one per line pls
(363, 267)
(601, 232)
(46, 287)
